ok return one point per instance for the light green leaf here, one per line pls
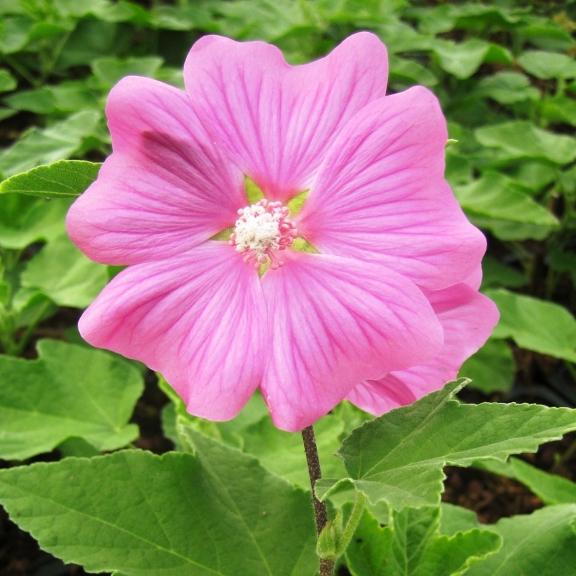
(498, 197)
(408, 72)
(110, 70)
(536, 325)
(462, 59)
(61, 272)
(492, 368)
(412, 546)
(399, 457)
(521, 139)
(60, 179)
(69, 391)
(548, 65)
(559, 110)
(457, 519)
(7, 81)
(48, 145)
(39, 101)
(507, 88)
(14, 33)
(214, 514)
(511, 231)
(253, 432)
(24, 219)
(282, 452)
(540, 544)
(550, 488)
(534, 175)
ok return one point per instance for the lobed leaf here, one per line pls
(539, 544)
(400, 456)
(215, 513)
(69, 391)
(411, 545)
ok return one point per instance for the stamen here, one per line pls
(262, 230)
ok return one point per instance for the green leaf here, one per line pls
(550, 488)
(546, 33)
(7, 81)
(24, 219)
(282, 452)
(64, 274)
(463, 59)
(412, 546)
(540, 544)
(521, 139)
(253, 432)
(534, 175)
(65, 178)
(497, 274)
(454, 519)
(40, 101)
(408, 72)
(492, 368)
(14, 33)
(536, 325)
(498, 197)
(216, 513)
(507, 88)
(548, 65)
(559, 110)
(110, 70)
(399, 457)
(69, 391)
(45, 146)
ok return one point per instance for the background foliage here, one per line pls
(506, 75)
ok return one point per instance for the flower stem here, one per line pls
(315, 473)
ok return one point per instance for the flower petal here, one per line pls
(381, 194)
(468, 319)
(276, 120)
(199, 319)
(165, 188)
(335, 322)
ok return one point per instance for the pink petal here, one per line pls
(381, 194)
(199, 319)
(336, 322)
(276, 120)
(165, 188)
(468, 319)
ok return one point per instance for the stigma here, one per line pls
(261, 231)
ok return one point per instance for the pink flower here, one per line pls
(384, 311)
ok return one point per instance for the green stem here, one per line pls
(352, 524)
(22, 70)
(27, 334)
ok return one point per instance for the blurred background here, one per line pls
(506, 75)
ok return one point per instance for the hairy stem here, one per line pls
(315, 473)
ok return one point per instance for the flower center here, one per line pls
(262, 230)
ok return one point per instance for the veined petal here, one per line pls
(276, 120)
(468, 319)
(334, 322)
(381, 196)
(199, 319)
(166, 187)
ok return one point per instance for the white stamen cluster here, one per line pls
(261, 230)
